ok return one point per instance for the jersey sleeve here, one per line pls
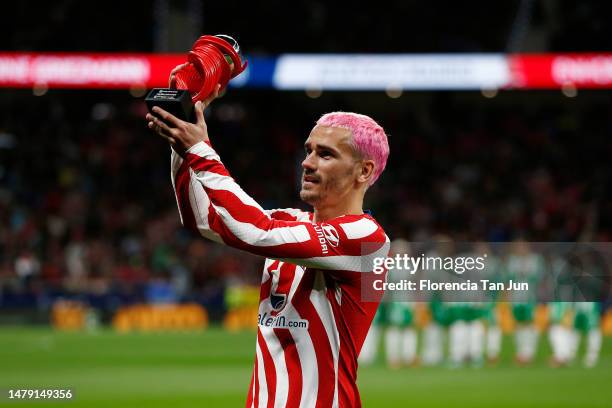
(213, 204)
(289, 214)
(192, 201)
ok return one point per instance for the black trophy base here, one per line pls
(175, 101)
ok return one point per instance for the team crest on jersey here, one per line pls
(331, 235)
(279, 288)
(278, 301)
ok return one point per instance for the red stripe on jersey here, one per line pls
(294, 368)
(318, 335)
(256, 396)
(283, 216)
(216, 224)
(348, 394)
(353, 327)
(269, 369)
(198, 163)
(182, 182)
(239, 211)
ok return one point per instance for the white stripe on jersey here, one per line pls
(310, 370)
(220, 182)
(305, 350)
(261, 377)
(202, 149)
(282, 375)
(359, 229)
(250, 234)
(199, 199)
(326, 314)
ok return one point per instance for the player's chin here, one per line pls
(308, 196)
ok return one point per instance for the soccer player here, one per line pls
(441, 305)
(587, 321)
(400, 333)
(525, 265)
(560, 334)
(561, 313)
(466, 331)
(493, 272)
(312, 319)
(584, 319)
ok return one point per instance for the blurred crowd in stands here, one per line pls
(86, 205)
(312, 26)
(87, 209)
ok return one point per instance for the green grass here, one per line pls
(213, 369)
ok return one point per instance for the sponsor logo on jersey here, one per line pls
(331, 235)
(280, 322)
(321, 238)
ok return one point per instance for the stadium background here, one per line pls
(90, 228)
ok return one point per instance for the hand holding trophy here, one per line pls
(213, 59)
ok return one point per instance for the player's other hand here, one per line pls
(181, 134)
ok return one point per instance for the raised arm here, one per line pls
(212, 203)
(193, 203)
(240, 222)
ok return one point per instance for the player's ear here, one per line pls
(366, 170)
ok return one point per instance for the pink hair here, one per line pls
(368, 137)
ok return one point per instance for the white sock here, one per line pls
(593, 347)
(573, 340)
(432, 344)
(559, 342)
(458, 342)
(392, 346)
(519, 341)
(526, 341)
(494, 339)
(531, 342)
(555, 339)
(476, 340)
(409, 345)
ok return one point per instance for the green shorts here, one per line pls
(587, 316)
(442, 313)
(523, 312)
(467, 312)
(400, 314)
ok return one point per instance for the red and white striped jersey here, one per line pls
(312, 321)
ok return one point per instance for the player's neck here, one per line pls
(352, 207)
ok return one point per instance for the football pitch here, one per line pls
(213, 369)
